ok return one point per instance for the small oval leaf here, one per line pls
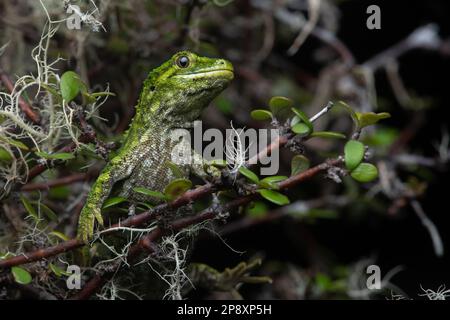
(275, 179)
(303, 117)
(261, 115)
(151, 193)
(57, 270)
(15, 143)
(327, 135)
(365, 172)
(55, 156)
(274, 196)
(271, 182)
(177, 187)
(249, 174)
(176, 170)
(113, 201)
(279, 102)
(29, 208)
(370, 118)
(353, 153)
(21, 275)
(71, 85)
(299, 164)
(301, 128)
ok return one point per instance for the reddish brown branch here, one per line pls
(41, 253)
(55, 183)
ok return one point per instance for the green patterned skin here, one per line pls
(173, 96)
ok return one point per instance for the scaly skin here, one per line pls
(173, 96)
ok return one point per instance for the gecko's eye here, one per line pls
(183, 62)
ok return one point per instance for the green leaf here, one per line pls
(327, 134)
(261, 115)
(151, 193)
(59, 193)
(250, 175)
(295, 120)
(53, 91)
(220, 163)
(301, 128)
(271, 182)
(176, 170)
(144, 205)
(5, 155)
(47, 211)
(275, 179)
(299, 164)
(15, 143)
(303, 117)
(370, 118)
(29, 208)
(21, 275)
(177, 187)
(87, 98)
(353, 154)
(280, 102)
(113, 201)
(57, 270)
(59, 235)
(274, 196)
(55, 156)
(323, 282)
(257, 209)
(365, 172)
(71, 85)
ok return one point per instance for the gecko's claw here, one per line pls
(86, 224)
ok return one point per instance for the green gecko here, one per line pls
(173, 96)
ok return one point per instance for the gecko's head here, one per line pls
(185, 84)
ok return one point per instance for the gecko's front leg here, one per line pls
(112, 173)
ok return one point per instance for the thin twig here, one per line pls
(55, 183)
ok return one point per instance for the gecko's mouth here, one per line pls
(216, 73)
